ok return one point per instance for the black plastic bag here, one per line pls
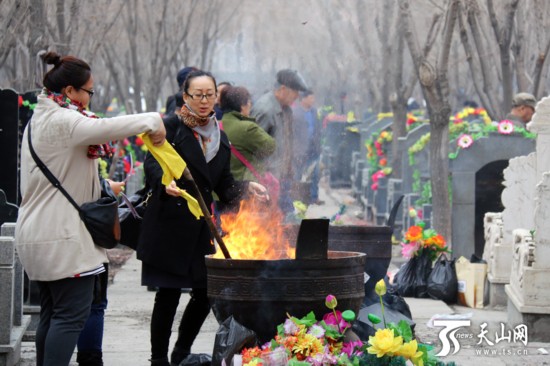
(405, 278)
(443, 284)
(391, 299)
(423, 270)
(231, 338)
(364, 328)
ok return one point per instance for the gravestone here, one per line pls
(12, 324)
(342, 140)
(528, 291)
(463, 169)
(9, 144)
(8, 211)
(8, 230)
(394, 192)
(519, 204)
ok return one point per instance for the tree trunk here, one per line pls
(439, 170)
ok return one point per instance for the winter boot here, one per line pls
(160, 362)
(89, 358)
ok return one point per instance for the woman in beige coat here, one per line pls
(53, 244)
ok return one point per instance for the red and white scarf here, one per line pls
(94, 151)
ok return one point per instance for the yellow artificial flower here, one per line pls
(380, 287)
(384, 343)
(410, 351)
(308, 345)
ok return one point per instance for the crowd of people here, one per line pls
(234, 149)
(229, 146)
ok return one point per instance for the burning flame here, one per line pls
(255, 232)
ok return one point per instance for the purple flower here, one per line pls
(290, 327)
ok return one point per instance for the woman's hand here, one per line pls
(258, 191)
(117, 187)
(172, 189)
(159, 136)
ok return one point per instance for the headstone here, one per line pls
(380, 201)
(463, 169)
(12, 329)
(528, 291)
(8, 229)
(7, 252)
(9, 144)
(421, 158)
(518, 200)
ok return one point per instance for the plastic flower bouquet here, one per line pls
(307, 341)
(418, 240)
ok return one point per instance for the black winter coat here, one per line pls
(171, 238)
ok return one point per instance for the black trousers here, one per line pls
(64, 309)
(164, 311)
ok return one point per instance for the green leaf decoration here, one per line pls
(348, 315)
(374, 319)
(307, 320)
(405, 330)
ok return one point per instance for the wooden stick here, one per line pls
(187, 175)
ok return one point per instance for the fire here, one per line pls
(255, 232)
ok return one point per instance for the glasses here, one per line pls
(90, 92)
(198, 96)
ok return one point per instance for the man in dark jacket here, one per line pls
(273, 113)
(523, 108)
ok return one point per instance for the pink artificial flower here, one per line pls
(336, 321)
(465, 141)
(409, 250)
(505, 127)
(349, 348)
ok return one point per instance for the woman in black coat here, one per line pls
(173, 243)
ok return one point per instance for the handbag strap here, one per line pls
(246, 163)
(240, 156)
(48, 173)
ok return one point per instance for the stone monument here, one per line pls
(528, 291)
(519, 205)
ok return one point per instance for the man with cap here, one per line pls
(523, 108)
(176, 100)
(274, 114)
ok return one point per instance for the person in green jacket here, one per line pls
(248, 138)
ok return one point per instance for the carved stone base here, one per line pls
(500, 263)
(497, 295)
(538, 325)
(530, 291)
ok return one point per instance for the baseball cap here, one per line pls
(292, 79)
(524, 99)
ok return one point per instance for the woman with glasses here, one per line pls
(52, 241)
(172, 242)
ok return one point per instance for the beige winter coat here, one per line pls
(51, 239)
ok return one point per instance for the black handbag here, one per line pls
(100, 217)
(130, 212)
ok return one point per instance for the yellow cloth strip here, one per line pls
(192, 203)
(172, 167)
